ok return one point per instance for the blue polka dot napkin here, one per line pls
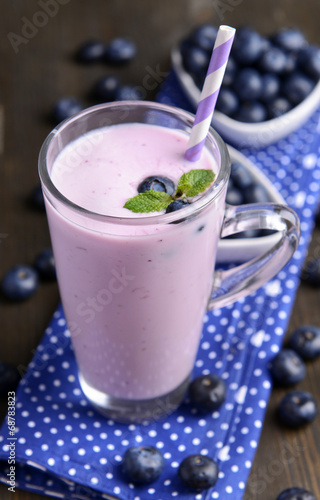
(64, 448)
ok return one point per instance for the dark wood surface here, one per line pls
(39, 70)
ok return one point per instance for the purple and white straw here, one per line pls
(210, 92)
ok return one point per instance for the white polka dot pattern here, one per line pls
(64, 448)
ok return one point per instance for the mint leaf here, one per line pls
(194, 182)
(149, 201)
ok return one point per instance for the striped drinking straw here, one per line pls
(210, 91)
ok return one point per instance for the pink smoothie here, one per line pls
(134, 296)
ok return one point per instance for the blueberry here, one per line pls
(311, 272)
(157, 183)
(230, 73)
(273, 60)
(251, 112)
(287, 368)
(309, 62)
(120, 51)
(66, 107)
(296, 494)
(9, 377)
(90, 51)
(198, 472)
(256, 193)
(297, 408)
(270, 87)
(227, 102)
(291, 63)
(290, 39)
(142, 464)
(176, 205)
(207, 392)
(45, 265)
(37, 199)
(240, 175)
(128, 93)
(306, 341)
(105, 89)
(278, 107)
(204, 37)
(248, 84)
(234, 196)
(20, 282)
(195, 60)
(247, 46)
(297, 87)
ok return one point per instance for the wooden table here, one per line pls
(37, 45)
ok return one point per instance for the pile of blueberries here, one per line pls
(266, 76)
(117, 52)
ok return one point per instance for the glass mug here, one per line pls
(135, 289)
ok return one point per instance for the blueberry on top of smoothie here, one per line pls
(176, 205)
(157, 183)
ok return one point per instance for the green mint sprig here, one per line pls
(190, 184)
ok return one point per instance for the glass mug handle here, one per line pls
(230, 285)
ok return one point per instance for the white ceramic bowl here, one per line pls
(243, 249)
(248, 134)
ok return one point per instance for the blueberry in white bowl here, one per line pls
(270, 88)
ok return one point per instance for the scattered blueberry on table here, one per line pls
(198, 472)
(90, 51)
(305, 340)
(66, 107)
(297, 408)
(311, 272)
(295, 493)
(120, 50)
(45, 265)
(287, 368)
(106, 88)
(9, 377)
(142, 464)
(37, 199)
(266, 76)
(20, 282)
(207, 392)
(128, 93)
